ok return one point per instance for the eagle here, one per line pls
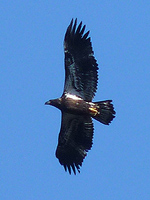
(77, 109)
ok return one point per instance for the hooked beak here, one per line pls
(48, 102)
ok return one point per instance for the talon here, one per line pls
(93, 111)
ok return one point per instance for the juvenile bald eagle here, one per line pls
(77, 108)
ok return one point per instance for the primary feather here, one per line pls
(80, 65)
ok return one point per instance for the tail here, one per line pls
(106, 111)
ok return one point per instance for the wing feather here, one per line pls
(75, 139)
(81, 74)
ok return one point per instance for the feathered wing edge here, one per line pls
(75, 139)
(81, 68)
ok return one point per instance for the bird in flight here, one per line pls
(77, 109)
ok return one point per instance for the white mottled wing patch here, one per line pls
(72, 96)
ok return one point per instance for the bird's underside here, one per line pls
(77, 108)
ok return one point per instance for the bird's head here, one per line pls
(54, 102)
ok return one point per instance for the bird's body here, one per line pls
(77, 108)
(73, 104)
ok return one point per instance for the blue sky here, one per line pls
(32, 72)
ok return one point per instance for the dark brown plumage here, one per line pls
(77, 108)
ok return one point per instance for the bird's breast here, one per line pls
(75, 104)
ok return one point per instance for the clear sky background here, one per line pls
(32, 72)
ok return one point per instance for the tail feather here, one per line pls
(106, 112)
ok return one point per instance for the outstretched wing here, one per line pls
(75, 139)
(80, 65)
